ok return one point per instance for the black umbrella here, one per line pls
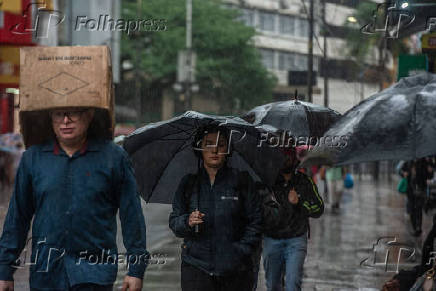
(298, 118)
(162, 152)
(398, 123)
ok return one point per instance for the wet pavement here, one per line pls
(340, 242)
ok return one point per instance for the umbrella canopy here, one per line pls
(300, 119)
(396, 123)
(162, 153)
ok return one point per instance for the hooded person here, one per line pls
(293, 200)
(218, 214)
(72, 180)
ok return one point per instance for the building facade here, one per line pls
(282, 40)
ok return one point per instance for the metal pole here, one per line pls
(188, 24)
(326, 72)
(188, 97)
(310, 54)
(137, 79)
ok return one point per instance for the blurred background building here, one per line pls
(281, 38)
(283, 27)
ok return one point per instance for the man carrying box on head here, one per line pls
(72, 178)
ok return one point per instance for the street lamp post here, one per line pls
(186, 65)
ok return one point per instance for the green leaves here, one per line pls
(228, 65)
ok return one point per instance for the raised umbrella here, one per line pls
(297, 118)
(162, 152)
(398, 123)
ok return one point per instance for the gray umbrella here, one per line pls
(162, 152)
(300, 119)
(398, 123)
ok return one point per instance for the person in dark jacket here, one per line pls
(295, 198)
(417, 173)
(218, 213)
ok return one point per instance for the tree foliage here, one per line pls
(228, 65)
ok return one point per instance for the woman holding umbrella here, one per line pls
(218, 213)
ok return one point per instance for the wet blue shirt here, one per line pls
(74, 202)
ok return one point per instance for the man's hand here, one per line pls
(391, 285)
(293, 196)
(132, 284)
(195, 218)
(6, 285)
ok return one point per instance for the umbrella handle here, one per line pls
(196, 228)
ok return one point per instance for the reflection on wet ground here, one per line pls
(339, 243)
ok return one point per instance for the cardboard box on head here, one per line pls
(68, 76)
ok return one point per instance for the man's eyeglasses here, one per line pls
(73, 115)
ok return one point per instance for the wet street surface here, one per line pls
(339, 243)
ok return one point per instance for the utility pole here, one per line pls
(310, 53)
(137, 78)
(324, 57)
(188, 93)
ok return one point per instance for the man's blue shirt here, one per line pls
(74, 202)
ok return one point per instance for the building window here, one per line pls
(300, 62)
(266, 21)
(287, 24)
(286, 61)
(247, 17)
(302, 27)
(315, 63)
(267, 58)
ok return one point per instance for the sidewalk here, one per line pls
(338, 244)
